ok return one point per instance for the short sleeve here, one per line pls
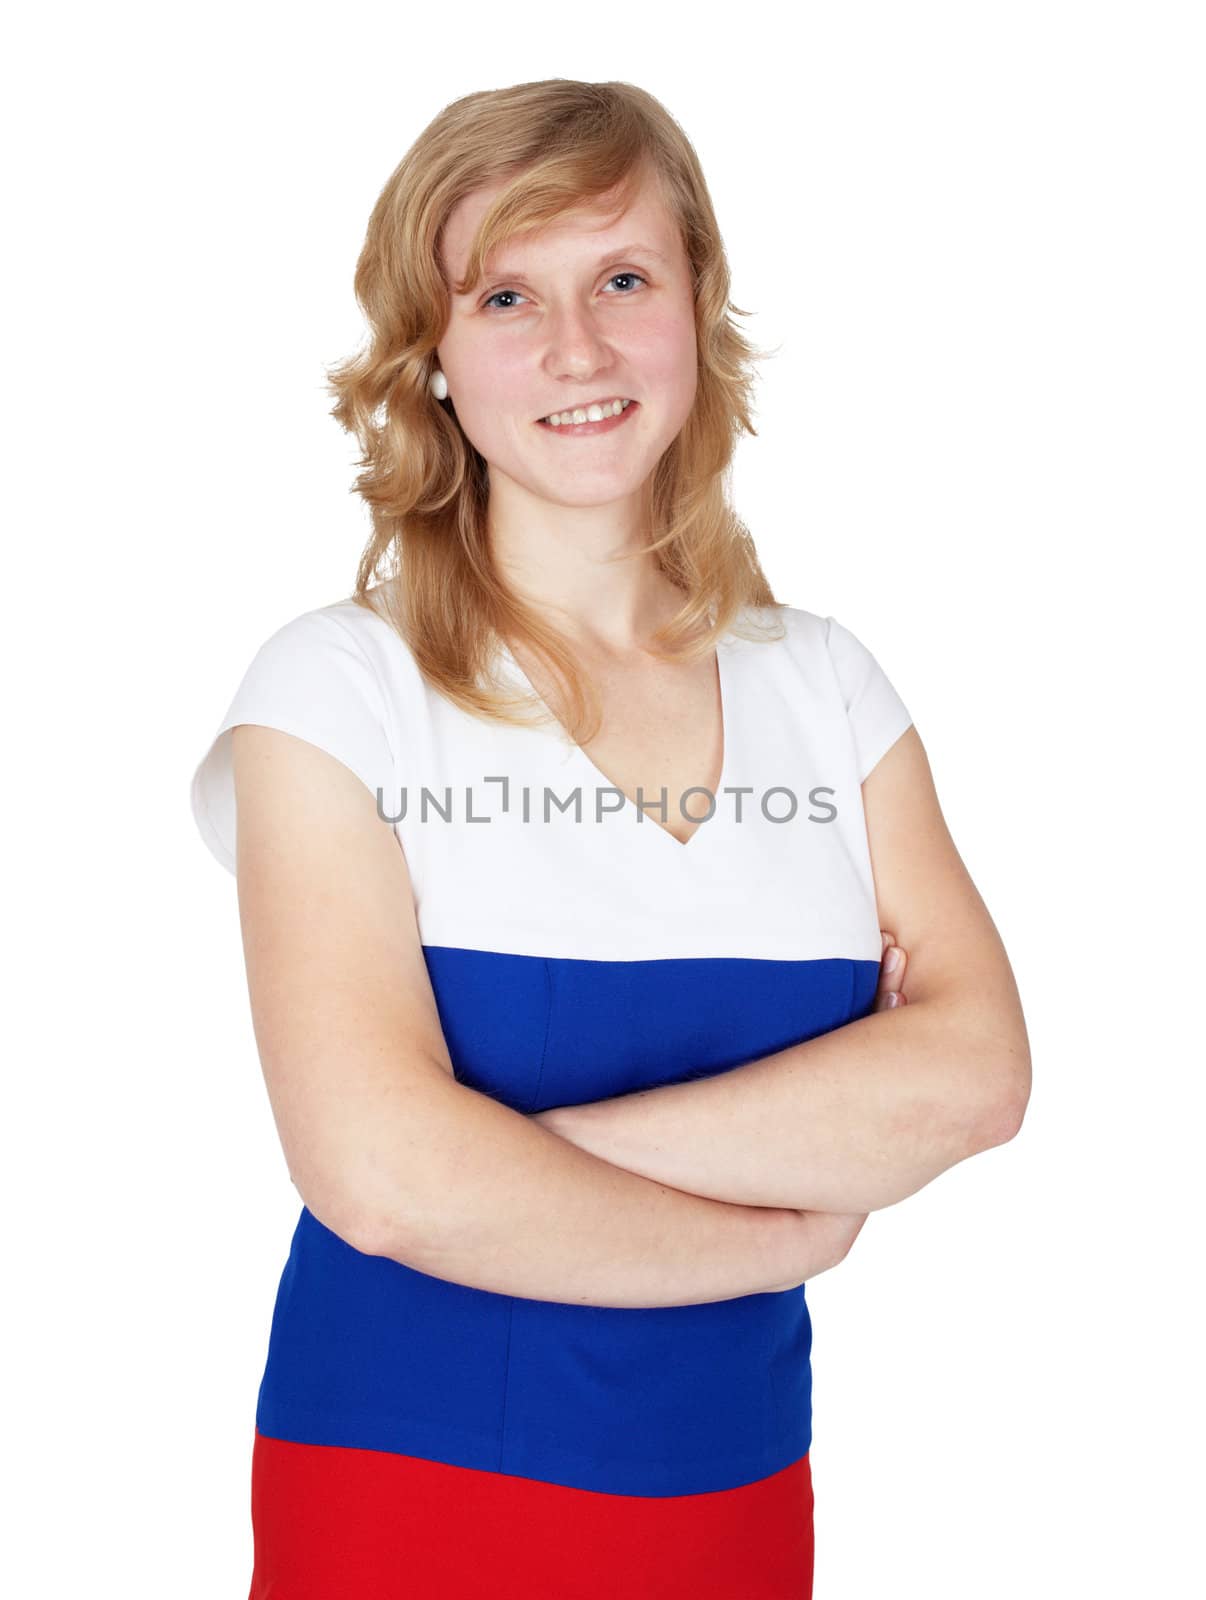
(311, 678)
(878, 716)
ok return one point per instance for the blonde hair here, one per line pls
(556, 145)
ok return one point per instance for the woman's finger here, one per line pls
(889, 991)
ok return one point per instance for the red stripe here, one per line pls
(331, 1522)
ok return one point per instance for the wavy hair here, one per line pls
(556, 145)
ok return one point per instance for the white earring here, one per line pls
(438, 384)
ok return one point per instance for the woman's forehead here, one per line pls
(646, 218)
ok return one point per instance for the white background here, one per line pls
(976, 232)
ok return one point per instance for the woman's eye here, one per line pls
(515, 294)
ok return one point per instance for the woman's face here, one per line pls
(577, 312)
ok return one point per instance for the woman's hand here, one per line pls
(826, 1236)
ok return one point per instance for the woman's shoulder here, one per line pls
(800, 630)
(348, 626)
(334, 675)
(797, 633)
(365, 617)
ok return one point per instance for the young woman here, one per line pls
(562, 855)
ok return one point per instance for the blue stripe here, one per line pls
(368, 1353)
(543, 1031)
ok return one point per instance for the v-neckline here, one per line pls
(643, 821)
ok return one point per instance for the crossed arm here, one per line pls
(866, 1115)
(839, 1123)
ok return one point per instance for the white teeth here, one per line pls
(592, 413)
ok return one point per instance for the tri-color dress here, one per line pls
(421, 1437)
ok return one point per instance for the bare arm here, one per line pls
(859, 1118)
(493, 1201)
(383, 1145)
(856, 1119)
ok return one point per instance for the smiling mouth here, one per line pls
(603, 423)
